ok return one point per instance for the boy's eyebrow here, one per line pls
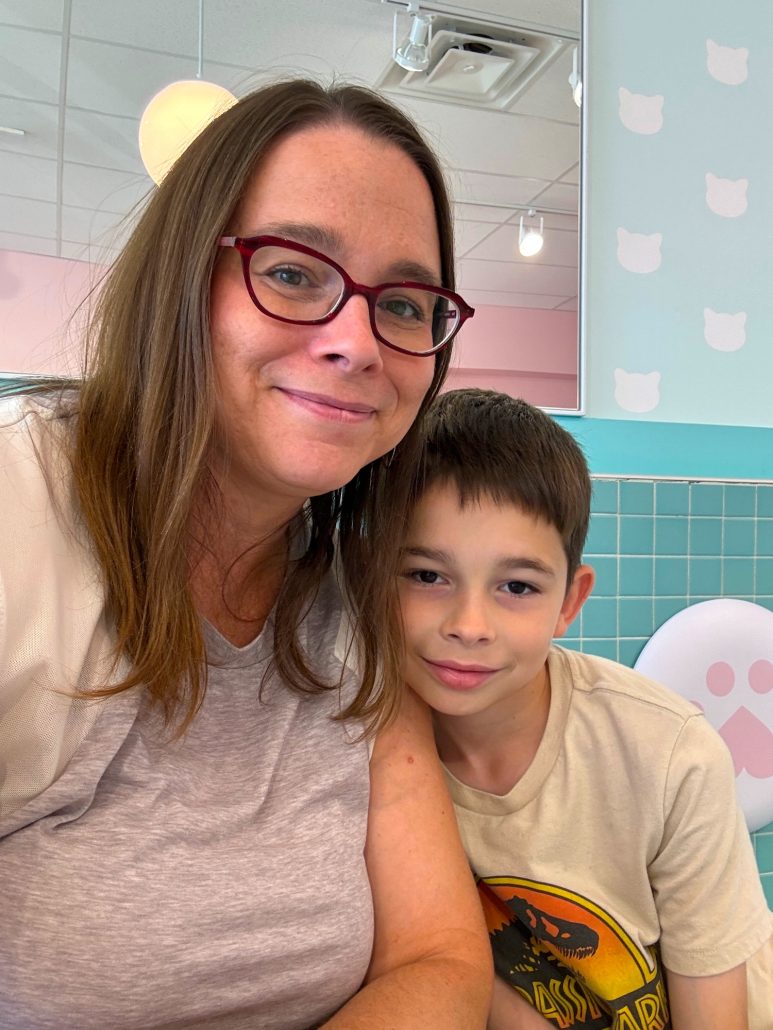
(506, 563)
(533, 564)
(430, 553)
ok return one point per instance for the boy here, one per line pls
(597, 808)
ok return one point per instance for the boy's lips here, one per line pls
(459, 676)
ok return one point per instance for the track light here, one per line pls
(530, 238)
(413, 55)
(176, 115)
(575, 81)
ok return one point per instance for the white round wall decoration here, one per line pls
(719, 655)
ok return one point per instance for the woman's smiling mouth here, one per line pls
(331, 408)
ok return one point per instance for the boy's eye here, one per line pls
(424, 576)
(517, 588)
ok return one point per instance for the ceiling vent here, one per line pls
(476, 65)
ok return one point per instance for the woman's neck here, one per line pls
(238, 557)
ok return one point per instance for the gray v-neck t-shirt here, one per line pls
(215, 881)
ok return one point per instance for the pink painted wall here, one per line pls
(38, 297)
(524, 351)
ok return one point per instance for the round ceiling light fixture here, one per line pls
(173, 119)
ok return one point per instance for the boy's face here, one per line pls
(482, 592)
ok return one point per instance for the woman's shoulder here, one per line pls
(34, 431)
(54, 638)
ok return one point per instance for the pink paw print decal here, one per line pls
(719, 655)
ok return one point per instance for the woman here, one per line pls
(240, 855)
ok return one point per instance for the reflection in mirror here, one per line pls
(495, 98)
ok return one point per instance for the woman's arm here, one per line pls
(509, 1011)
(431, 963)
(709, 1002)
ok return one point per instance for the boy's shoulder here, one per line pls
(603, 679)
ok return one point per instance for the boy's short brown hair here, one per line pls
(492, 445)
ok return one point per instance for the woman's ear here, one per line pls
(576, 596)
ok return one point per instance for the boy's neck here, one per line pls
(492, 750)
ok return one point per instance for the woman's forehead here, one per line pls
(356, 188)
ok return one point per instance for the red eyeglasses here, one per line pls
(293, 283)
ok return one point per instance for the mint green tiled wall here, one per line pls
(660, 545)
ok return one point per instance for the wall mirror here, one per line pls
(495, 98)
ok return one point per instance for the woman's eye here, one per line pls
(288, 276)
(401, 308)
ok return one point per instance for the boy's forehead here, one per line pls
(445, 519)
(446, 497)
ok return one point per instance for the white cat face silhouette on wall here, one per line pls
(727, 64)
(640, 113)
(726, 197)
(724, 331)
(637, 391)
(639, 252)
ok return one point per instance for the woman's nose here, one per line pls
(348, 339)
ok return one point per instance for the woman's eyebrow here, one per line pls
(315, 236)
(413, 272)
(330, 242)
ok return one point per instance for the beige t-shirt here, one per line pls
(621, 850)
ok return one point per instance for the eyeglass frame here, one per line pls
(246, 246)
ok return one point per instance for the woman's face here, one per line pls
(301, 408)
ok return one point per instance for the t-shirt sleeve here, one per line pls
(707, 889)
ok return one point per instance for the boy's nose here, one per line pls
(467, 623)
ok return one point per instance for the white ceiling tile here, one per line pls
(560, 195)
(19, 215)
(142, 23)
(24, 176)
(99, 229)
(103, 141)
(29, 64)
(484, 298)
(568, 305)
(482, 187)
(481, 213)
(33, 14)
(467, 235)
(572, 175)
(532, 147)
(121, 80)
(27, 244)
(40, 123)
(560, 15)
(520, 277)
(103, 189)
(564, 223)
(346, 38)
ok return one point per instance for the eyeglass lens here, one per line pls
(303, 288)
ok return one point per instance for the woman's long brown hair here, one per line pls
(146, 412)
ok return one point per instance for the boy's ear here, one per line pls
(576, 596)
